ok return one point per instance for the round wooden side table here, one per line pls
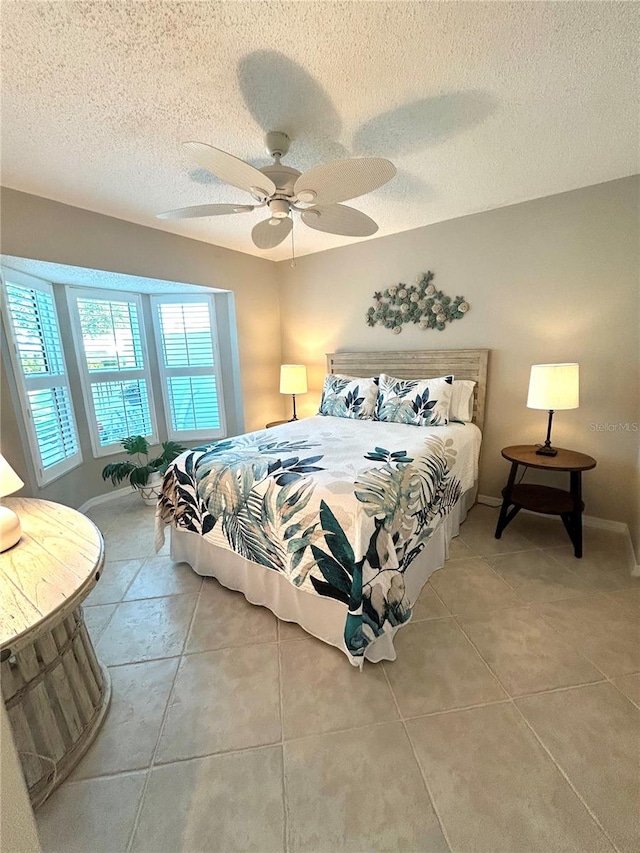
(55, 690)
(545, 499)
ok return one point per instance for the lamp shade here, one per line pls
(293, 379)
(9, 480)
(554, 387)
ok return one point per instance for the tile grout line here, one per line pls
(605, 678)
(613, 592)
(566, 777)
(572, 646)
(590, 592)
(352, 728)
(437, 595)
(201, 651)
(475, 556)
(143, 794)
(635, 702)
(145, 598)
(104, 627)
(582, 594)
(142, 565)
(445, 835)
(201, 757)
(631, 581)
(544, 747)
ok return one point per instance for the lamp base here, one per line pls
(544, 450)
(10, 528)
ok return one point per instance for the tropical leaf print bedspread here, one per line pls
(341, 507)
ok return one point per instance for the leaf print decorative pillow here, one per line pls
(348, 397)
(422, 402)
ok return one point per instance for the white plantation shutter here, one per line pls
(110, 333)
(114, 367)
(41, 375)
(189, 365)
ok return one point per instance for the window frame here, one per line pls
(166, 372)
(88, 378)
(24, 383)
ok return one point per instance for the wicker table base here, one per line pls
(56, 694)
(55, 690)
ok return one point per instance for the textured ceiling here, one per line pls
(63, 274)
(479, 105)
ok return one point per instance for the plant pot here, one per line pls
(151, 491)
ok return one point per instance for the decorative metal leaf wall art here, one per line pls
(420, 303)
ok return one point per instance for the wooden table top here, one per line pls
(49, 571)
(565, 460)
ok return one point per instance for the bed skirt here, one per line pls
(324, 618)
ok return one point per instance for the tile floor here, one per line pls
(509, 722)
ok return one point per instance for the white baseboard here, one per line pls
(588, 521)
(487, 500)
(103, 499)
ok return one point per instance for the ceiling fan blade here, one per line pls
(200, 210)
(230, 169)
(268, 236)
(344, 179)
(339, 219)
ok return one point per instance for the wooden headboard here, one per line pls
(420, 364)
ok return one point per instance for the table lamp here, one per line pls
(10, 529)
(293, 380)
(553, 387)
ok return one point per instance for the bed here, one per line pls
(333, 523)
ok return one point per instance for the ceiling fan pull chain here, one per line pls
(293, 247)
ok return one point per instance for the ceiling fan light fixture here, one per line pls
(279, 208)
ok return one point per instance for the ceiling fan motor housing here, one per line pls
(284, 177)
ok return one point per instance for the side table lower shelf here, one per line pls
(544, 499)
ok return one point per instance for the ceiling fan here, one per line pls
(315, 194)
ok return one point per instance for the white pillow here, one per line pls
(461, 408)
(348, 397)
(422, 402)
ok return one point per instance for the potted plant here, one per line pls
(144, 474)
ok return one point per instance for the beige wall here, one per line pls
(17, 825)
(554, 279)
(40, 229)
(551, 280)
